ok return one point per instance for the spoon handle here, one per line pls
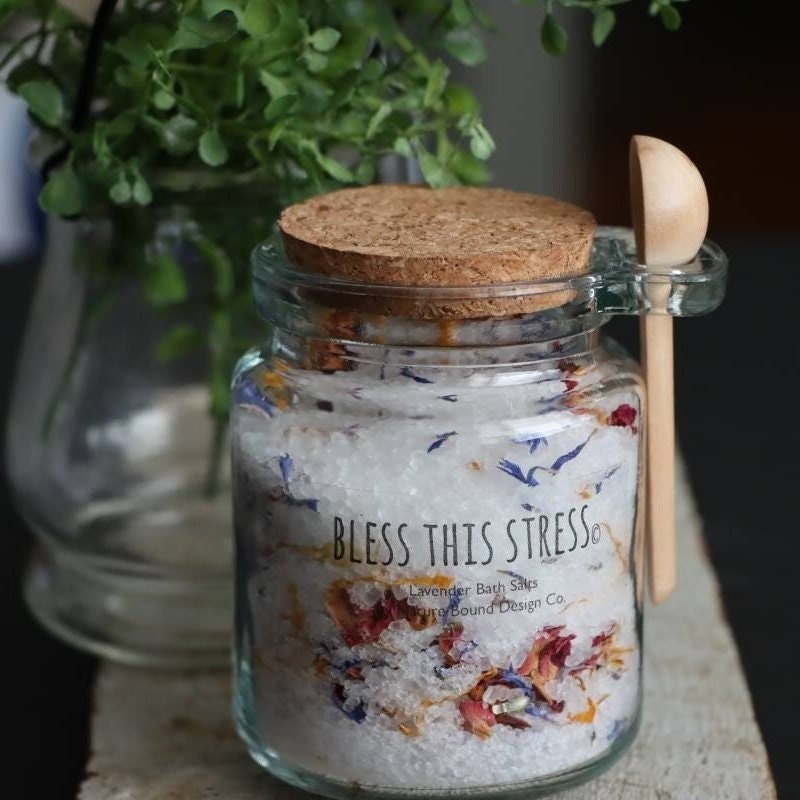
(657, 357)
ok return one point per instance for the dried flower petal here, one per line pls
(512, 721)
(515, 471)
(623, 416)
(246, 393)
(360, 625)
(441, 438)
(546, 659)
(585, 717)
(532, 442)
(357, 714)
(572, 454)
(477, 717)
(409, 373)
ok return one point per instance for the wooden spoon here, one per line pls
(669, 206)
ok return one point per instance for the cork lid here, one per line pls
(412, 236)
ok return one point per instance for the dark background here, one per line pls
(726, 89)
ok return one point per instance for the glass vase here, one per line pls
(116, 441)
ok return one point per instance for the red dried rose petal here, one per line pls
(478, 717)
(623, 416)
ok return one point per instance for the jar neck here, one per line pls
(473, 344)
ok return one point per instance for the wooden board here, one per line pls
(168, 736)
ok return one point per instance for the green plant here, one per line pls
(144, 96)
(308, 93)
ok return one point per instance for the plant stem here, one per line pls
(211, 488)
(92, 309)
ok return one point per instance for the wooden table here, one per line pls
(168, 736)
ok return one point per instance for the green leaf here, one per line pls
(372, 70)
(460, 100)
(437, 80)
(461, 11)
(465, 45)
(213, 7)
(211, 148)
(377, 119)
(44, 101)
(121, 192)
(434, 172)
(366, 172)
(163, 101)
(123, 124)
(178, 342)
(602, 26)
(670, 17)
(554, 37)
(280, 106)
(481, 143)
(275, 133)
(164, 283)
(196, 33)
(142, 195)
(468, 169)
(315, 61)
(334, 168)
(179, 134)
(26, 71)
(239, 89)
(62, 194)
(403, 147)
(261, 17)
(129, 77)
(325, 39)
(135, 51)
(277, 87)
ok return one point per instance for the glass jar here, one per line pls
(439, 531)
(116, 441)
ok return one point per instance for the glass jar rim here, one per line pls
(615, 281)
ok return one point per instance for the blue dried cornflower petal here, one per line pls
(517, 681)
(408, 373)
(533, 442)
(441, 438)
(451, 398)
(529, 507)
(357, 714)
(286, 463)
(469, 647)
(304, 502)
(355, 392)
(535, 711)
(453, 604)
(561, 460)
(246, 393)
(599, 485)
(515, 471)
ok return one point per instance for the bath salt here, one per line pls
(440, 591)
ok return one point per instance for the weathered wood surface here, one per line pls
(168, 736)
